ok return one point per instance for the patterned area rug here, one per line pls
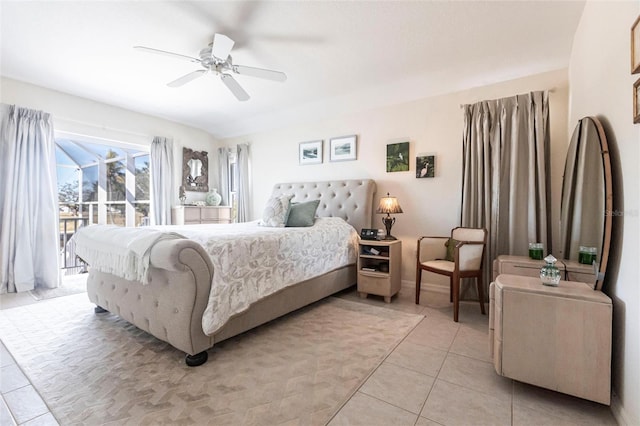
(299, 369)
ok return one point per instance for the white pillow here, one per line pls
(276, 211)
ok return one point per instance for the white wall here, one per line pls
(433, 125)
(601, 85)
(85, 117)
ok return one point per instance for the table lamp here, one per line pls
(389, 205)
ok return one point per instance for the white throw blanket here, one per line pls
(124, 252)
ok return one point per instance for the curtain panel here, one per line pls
(29, 229)
(161, 157)
(223, 175)
(506, 182)
(244, 191)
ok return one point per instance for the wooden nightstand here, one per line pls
(379, 264)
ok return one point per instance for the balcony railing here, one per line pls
(68, 227)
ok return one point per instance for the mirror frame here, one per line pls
(202, 181)
(608, 203)
(608, 199)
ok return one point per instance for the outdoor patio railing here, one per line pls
(68, 227)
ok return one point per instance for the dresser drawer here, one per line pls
(192, 215)
(212, 214)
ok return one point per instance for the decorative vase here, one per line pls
(550, 274)
(213, 198)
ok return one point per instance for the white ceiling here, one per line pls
(339, 56)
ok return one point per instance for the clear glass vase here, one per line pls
(550, 274)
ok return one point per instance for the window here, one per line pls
(232, 173)
(143, 193)
(103, 182)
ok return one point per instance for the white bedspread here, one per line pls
(251, 262)
(123, 252)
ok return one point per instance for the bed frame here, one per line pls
(171, 306)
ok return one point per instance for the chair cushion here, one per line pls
(442, 265)
(451, 246)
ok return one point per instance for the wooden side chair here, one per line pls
(458, 256)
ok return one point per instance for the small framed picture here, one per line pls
(398, 157)
(343, 148)
(310, 152)
(636, 101)
(425, 166)
(635, 47)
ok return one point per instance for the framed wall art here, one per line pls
(425, 166)
(343, 148)
(310, 152)
(635, 47)
(398, 157)
(636, 101)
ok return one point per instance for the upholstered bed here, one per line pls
(180, 275)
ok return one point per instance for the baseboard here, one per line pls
(619, 413)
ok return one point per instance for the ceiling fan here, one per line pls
(216, 58)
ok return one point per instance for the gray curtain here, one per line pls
(161, 156)
(223, 175)
(244, 191)
(505, 184)
(29, 230)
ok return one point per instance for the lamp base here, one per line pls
(388, 223)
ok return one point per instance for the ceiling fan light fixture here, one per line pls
(216, 57)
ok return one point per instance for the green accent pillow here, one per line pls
(451, 246)
(302, 214)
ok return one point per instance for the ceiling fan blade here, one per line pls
(165, 53)
(222, 46)
(186, 78)
(260, 73)
(235, 88)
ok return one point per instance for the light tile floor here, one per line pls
(20, 403)
(441, 374)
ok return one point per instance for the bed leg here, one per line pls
(197, 359)
(99, 310)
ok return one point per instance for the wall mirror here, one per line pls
(587, 199)
(195, 166)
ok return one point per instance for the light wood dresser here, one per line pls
(195, 215)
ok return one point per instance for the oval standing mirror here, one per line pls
(587, 202)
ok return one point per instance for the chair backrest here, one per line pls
(469, 234)
(470, 256)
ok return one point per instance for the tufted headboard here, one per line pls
(350, 199)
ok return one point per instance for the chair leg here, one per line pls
(418, 283)
(480, 293)
(455, 281)
(451, 289)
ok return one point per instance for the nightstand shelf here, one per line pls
(379, 265)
